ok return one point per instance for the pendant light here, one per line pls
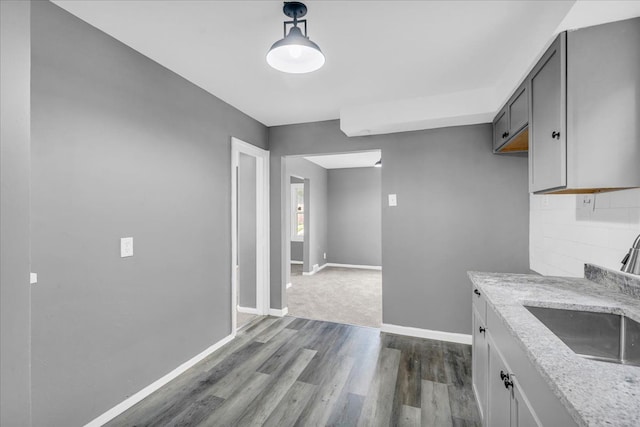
(295, 53)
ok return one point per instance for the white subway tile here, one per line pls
(535, 202)
(610, 258)
(614, 217)
(620, 239)
(625, 198)
(562, 202)
(602, 200)
(563, 238)
(569, 265)
(634, 218)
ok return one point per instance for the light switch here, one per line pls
(33, 278)
(126, 247)
(393, 200)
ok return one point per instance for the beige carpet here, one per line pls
(344, 295)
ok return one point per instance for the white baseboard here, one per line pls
(296, 262)
(289, 285)
(364, 267)
(132, 400)
(248, 310)
(426, 333)
(278, 313)
(315, 270)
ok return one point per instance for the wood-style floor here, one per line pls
(297, 372)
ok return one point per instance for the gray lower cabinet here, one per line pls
(508, 405)
(480, 362)
(584, 110)
(522, 414)
(507, 387)
(499, 399)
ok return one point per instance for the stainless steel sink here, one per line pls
(600, 336)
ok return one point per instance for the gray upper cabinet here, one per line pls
(518, 110)
(510, 124)
(547, 153)
(584, 110)
(500, 129)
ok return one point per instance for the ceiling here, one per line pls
(394, 54)
(360, 159)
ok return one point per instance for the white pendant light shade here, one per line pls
(295, 54)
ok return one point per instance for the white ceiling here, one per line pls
(360, 159)
(381, 55)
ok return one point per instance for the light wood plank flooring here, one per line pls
(298, 372)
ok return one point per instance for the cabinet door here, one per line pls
(500, 129)
(547, 122)
(499, 397)
(479, 361)
(522, 414)
(518, 110)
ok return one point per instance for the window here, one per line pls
(297, 212)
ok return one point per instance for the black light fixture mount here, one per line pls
(295, 53)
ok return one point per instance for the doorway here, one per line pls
(333, 230)
(250, 233)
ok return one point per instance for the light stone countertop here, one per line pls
(595, 393)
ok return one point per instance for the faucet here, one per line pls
(631, 261)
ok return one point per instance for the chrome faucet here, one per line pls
(631, 261)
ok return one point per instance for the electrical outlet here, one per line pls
(587, 202)
(325, 255)
(126, 247)
(393, 200)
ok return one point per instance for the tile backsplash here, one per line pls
(566, 231)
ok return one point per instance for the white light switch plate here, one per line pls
(126, 247)
(33, 278)
(393, 200)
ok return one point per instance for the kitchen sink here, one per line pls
(599, 336)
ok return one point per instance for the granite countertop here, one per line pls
(595, 393)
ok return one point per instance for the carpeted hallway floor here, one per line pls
(343, 295)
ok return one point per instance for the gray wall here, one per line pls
(122, 147)
(315, 237)
(297, 253)
(247, 212)
(15, 52)
(459, 208)
(354, 216)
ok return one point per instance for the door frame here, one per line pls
(262, 227)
